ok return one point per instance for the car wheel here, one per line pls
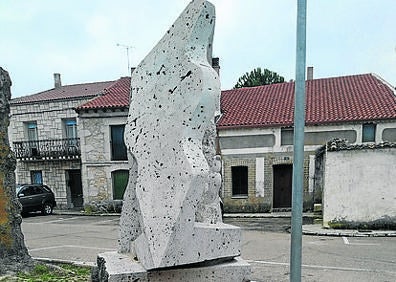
(47, 209)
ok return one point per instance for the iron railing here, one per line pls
(53, 149)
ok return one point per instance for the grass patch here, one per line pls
(52, 273)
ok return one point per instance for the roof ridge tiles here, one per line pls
(114, 96)
(71, 91)
(346, 98)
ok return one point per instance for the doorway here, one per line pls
(73, 180)
(282, 190)
(120, 182)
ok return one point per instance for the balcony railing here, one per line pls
(54, 149)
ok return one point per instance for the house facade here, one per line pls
(255, 138)
(256, 135)
(44, 138)
(104, 161)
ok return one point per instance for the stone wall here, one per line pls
(249, 145)
(54, 175)
(49, 116)
(359, 186)
(260, 201)
(241, 204)
(96, 164)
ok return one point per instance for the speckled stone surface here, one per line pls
(171, 214)
(122, 268)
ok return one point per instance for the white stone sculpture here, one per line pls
(171, 215)
(171, 210)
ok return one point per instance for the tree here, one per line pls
(257, 77)
(13, 252)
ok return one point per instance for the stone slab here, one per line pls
(206, 242)
(118, 267)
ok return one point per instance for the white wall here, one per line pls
(359, 186)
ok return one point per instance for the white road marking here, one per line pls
(345, 239)
(108, 220)
(346, 242)
(322, 267)
(72, 218)
(53, 221)
(69, 246)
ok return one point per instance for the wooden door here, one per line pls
(282, 190)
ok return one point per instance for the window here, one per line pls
(368, 134)
(118, 148)
(28, 191)
(70, 128)
(239, 175)
(31, 128)
(287, 135)
(36, 177)
(32, 131)
(120, 182)
(70, 131)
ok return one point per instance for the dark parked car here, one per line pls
(36, 197)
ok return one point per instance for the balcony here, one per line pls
(55, 149)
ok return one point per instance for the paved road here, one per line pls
(265, 244)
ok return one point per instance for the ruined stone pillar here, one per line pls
(13, 252)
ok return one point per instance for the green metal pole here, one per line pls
(298, 149)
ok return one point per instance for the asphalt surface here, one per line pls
(265, 244)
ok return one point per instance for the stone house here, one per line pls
(44, 136)
(256, 135)
(104, 162)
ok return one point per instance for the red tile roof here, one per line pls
(74, 91)
(329, 100)
(115, 96)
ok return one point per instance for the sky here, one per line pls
(87, 41)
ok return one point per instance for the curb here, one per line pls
(82, 213)
(64, 261)
(264, 215)
(307, 229)
(318, 230)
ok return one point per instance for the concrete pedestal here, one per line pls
(118, 267)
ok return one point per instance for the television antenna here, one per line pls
(127, 47)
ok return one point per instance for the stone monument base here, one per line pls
(114, 266)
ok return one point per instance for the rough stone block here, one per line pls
(115, 267)
(206, 242)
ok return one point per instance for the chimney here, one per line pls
(57, 80)
(309, 73)
(215, 65)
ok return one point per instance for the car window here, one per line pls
(19, 187)
(45, 188)
(27, 190)
(37, 190)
